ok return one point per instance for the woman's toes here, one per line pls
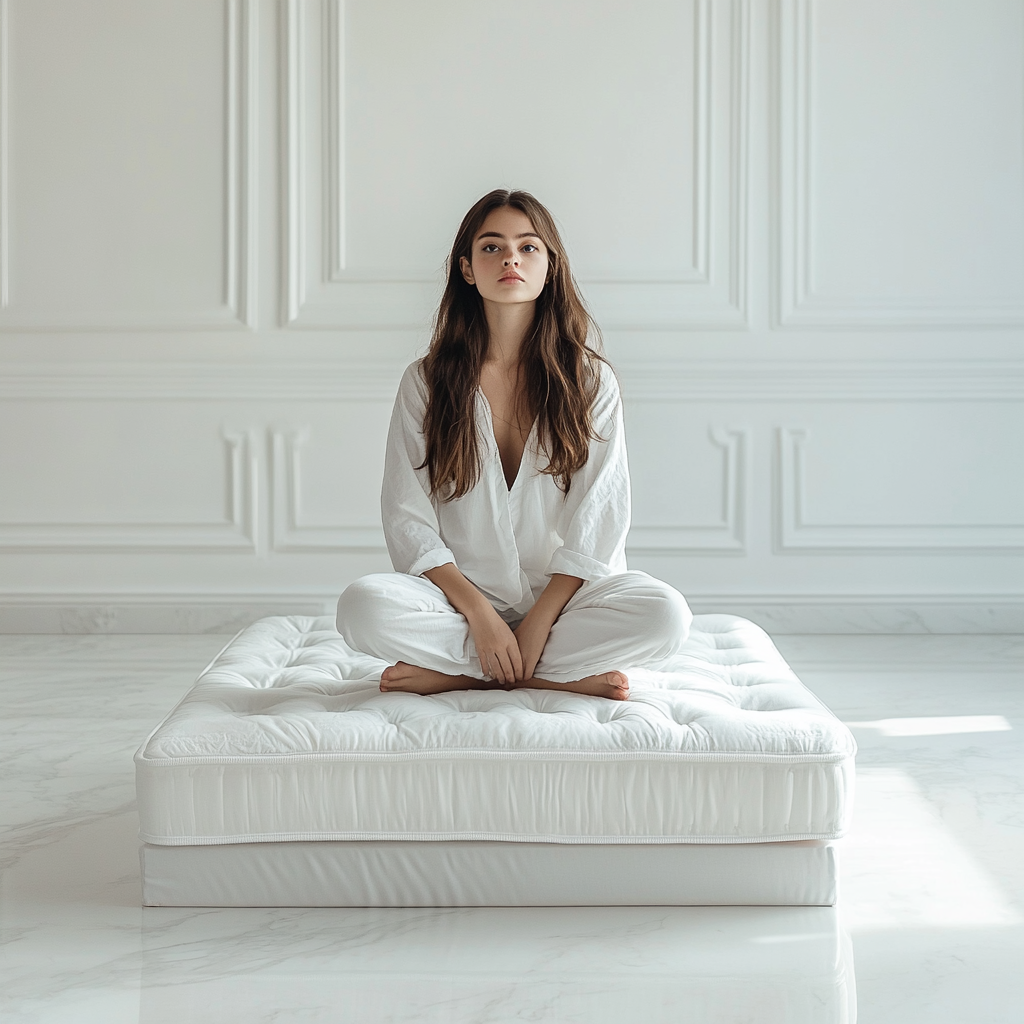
(618, 684)
(393, 676)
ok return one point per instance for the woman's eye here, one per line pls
(490, 247)
(529, 247)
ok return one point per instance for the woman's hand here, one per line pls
(496, 646)
(534, 630)
(531, 636)
(506, 657)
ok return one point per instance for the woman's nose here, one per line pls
(512, 258)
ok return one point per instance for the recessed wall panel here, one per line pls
(689, 476)
(677, 469)
(125, 164)
(445, 101)
(628, 121)
(124, 474)
(327, 467)
(902, 147)
(880, 475)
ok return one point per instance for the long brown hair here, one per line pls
(558, 369)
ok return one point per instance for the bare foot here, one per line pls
(413, 679)
(612, 685)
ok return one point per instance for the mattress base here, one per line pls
(481, 874)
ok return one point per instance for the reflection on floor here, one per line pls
(933, 895)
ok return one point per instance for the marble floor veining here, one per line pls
(930, 926)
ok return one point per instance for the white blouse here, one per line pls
(507, 542)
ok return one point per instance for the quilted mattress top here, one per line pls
(290, 686)
(286, 736)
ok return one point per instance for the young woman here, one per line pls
(506, 492)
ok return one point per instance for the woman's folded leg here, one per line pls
(402, 618)
(613, 624)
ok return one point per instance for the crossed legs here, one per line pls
(608, 626)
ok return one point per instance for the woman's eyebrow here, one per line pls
(497, 234)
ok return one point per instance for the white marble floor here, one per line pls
(931, 919)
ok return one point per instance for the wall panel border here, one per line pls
(691, 380)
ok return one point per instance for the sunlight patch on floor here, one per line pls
(945, 725)
(902, 867)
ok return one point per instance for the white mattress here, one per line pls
(286, 737)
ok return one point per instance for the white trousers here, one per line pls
(618, 622)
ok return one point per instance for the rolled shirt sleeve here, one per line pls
(410, 522)
(595, 514)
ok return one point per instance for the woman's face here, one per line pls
(509, 261)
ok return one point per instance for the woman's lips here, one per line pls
(510, 277)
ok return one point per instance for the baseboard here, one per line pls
(777, 613)
(150, 613)
(871, 613)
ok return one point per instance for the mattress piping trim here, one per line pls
(502, 837)
(473, 754)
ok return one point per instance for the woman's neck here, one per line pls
(507, 326)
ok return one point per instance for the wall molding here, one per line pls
(334, 298)
(676, 305)
(797, 304)
(728, 537)
(289, 533)
(825, 381)
(169, 612)
(5, 155)
(341, 298)
(204, 612)
(237, 532)
(238, 309)
(796, 533)
(293, 194)
(243, 155)
(870, 613)
(693, 380)
(200, 381)
(335, 163)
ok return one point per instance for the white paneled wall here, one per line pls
(800, 224)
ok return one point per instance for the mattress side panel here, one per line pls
(543, 801)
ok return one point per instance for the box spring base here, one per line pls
(481, 874)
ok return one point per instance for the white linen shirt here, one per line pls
(507, 542)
